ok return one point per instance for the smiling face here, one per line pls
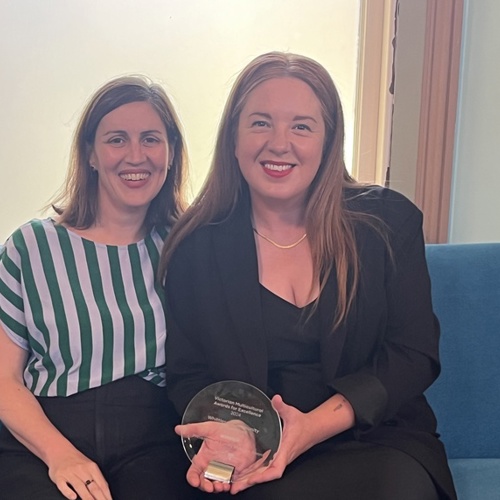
(279, 140)
(130, 154)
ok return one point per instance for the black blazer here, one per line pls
(382, 359)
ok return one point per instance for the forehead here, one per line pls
(132, 116)
(283, 94)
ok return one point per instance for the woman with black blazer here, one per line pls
(287, 274)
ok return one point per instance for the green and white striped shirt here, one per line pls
(87, 313)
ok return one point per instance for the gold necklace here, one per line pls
(277, 245)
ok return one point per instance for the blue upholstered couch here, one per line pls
(466, 396)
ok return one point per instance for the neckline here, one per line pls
(299, 308)
(72, 234)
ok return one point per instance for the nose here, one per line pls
(279, 142)
(135, 153)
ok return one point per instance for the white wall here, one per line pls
(475, 208)
(55, 53)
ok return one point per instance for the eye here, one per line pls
(151, 140)
(260, 123)
(117, 140)
(302, 126)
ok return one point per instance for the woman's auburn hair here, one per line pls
(77, 201)
(329, 224)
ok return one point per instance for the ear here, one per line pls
(171, 154)
(92, 159)
(236, 151)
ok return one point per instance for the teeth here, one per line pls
(278, 168)
(134, 177)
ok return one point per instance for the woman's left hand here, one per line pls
(301, 431)
(295, 441)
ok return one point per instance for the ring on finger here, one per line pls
(88, 482)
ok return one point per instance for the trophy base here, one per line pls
(217, 471)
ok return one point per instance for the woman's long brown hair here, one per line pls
(76, 203)
(329, 224)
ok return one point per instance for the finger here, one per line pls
(280, 406)
(190, 430)
(178, 430)
(95, 484)
(72, 487)
(240, 485)
(82, 490)
(218, 487)
(263, 475)
(99, 489)
(210, 486)
(244, 484)
(255, 466)
(66, 490)
(193, 476)
(90, 490)
(263, 458)
(206, 485)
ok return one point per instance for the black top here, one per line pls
(292, 338)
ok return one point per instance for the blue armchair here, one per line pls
(466, 397)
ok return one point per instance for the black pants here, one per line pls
(126, 427)
(348, 470)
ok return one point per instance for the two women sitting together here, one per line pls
(284, 273)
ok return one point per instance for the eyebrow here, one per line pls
(304, 117)
(145, 132)
(295, 118)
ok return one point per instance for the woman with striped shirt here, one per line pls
(82, 324)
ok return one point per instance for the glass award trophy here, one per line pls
(234, 430)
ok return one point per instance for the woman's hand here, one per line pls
(78, 477)
(301, 431)
(22, 414)
(232, 443)
(294, 442)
